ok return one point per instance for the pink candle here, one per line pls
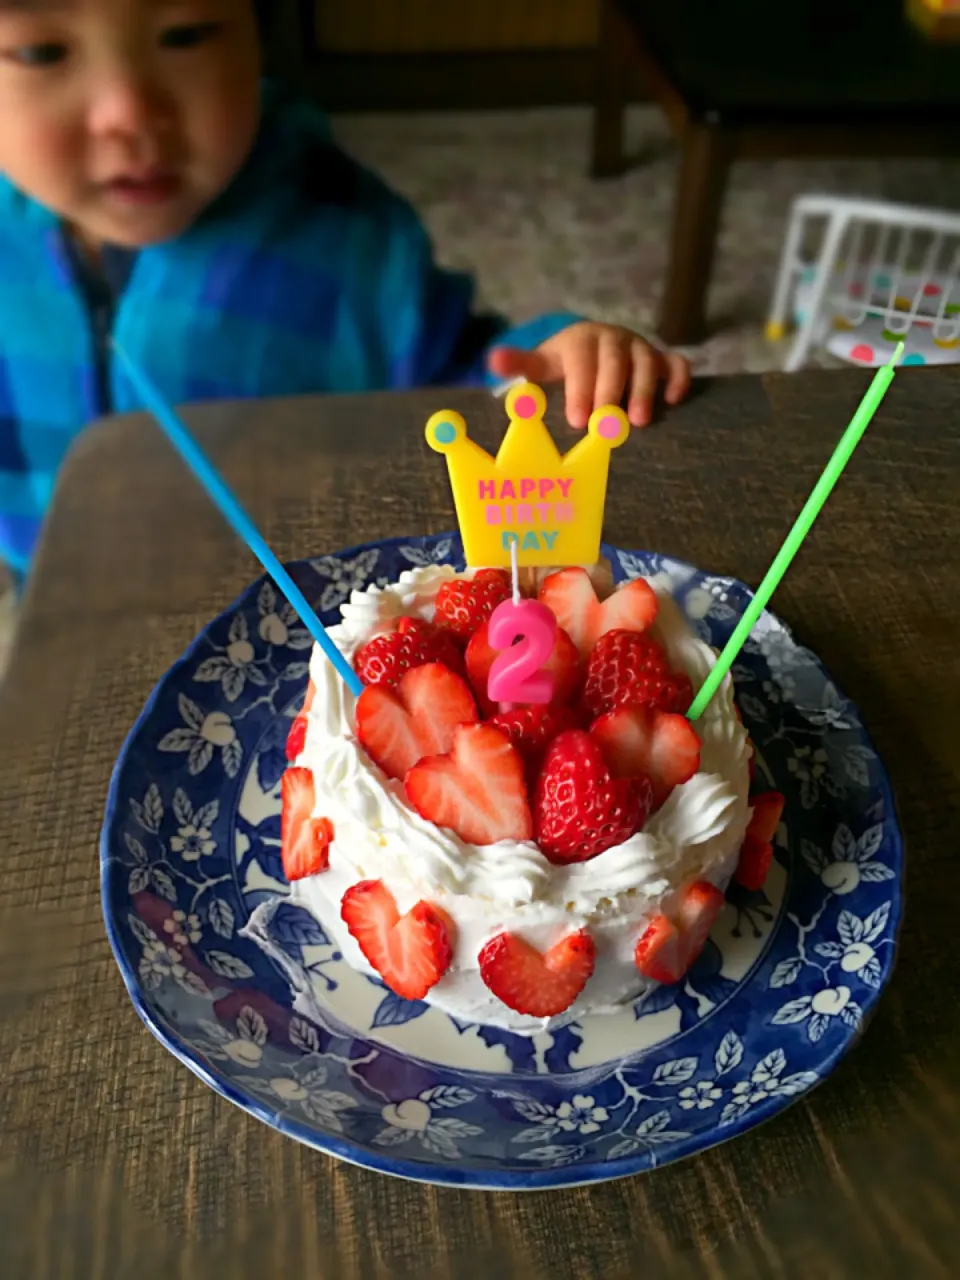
(517, 675)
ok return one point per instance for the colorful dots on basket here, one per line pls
(862, 353)
(931, 290)
(843, 324)
(946, 344)
(902, 303)
(913, 357)
(890, 335)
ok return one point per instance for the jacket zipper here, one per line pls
(103, 313)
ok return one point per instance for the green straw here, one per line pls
(822, 490)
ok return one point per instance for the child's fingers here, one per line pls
(512, 362)
(678, 377)
(643, 382)
(613, 367)
(580, 376)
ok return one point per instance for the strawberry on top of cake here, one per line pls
(518, 865)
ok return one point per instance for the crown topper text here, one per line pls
(550, 505)
(515, 517)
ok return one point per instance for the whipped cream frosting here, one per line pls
(512, 886)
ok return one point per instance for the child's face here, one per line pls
(127, 117)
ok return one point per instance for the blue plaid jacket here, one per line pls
(307, 275)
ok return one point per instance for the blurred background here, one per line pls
(493, 116)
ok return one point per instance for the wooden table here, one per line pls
(116, 1162)
(739, 80)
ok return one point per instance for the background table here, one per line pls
(115, 1161)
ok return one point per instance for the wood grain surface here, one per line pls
(116, 1162)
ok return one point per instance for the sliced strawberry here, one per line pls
(580, 808)
(477, 790)
(662, 746)
(756, 855)
(463, 605)
(412, 952)
(531, 730)
(702, 903)
(628, 669)
(767, 811)
(563, 665)
(535, 983)
(386, 658)
(398, 728)
(569, 594)
(304, 840)
(668, 947)
(659, 953)
(297, 737)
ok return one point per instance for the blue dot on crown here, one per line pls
(445, 433)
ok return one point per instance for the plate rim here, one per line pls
(468, 1176)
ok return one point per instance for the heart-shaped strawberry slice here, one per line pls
(581, 809)
(477, 790)
(670, 943)
(539, 984)
(570, 596)
(398, 727)
(412, 952)
(304, 840)
(663, 747)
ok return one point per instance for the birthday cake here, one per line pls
(516, 820)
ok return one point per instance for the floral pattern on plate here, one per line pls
(191, 869)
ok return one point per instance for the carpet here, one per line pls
(508, 196)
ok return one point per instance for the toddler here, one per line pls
(154, 190)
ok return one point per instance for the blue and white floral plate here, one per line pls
(190, 848)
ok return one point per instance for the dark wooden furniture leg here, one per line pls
(613, 53)
(290, 41)
(707, 151)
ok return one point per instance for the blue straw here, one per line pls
(217, 488)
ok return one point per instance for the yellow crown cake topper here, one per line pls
(550, 504)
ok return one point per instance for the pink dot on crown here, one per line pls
(608, 427)
(525, 406)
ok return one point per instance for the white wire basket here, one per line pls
(858, 276)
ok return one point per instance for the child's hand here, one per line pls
(597, 362)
